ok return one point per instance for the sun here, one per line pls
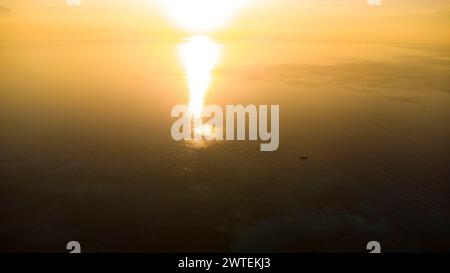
(201, 16)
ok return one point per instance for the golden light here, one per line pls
(201, 16)
(199, 56)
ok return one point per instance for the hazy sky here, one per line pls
(323, 20)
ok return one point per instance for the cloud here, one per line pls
(4, 10)
(403, 73)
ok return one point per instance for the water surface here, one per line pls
(86, 152)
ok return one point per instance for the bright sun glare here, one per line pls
(201, 15)
(199, 56)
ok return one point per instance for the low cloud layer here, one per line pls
(404, 73)
(4, 10)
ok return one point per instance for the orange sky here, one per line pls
(412, 21)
